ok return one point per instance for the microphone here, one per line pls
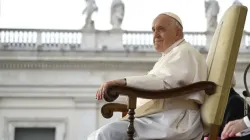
(245, 93)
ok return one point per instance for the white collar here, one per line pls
(173, 45)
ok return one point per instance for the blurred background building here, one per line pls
(49, 76)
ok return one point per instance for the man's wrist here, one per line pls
(123, 82)
(120, 82)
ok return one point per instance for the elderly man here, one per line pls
(168, 119)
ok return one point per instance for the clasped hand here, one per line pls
(232, 128)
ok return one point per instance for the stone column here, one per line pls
(96, 40)
(212, 9)
(88, 39)
(110, 40)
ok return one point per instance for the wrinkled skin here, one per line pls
(232, 128)
(103, 89)
(165, 32)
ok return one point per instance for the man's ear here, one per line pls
(178, 32)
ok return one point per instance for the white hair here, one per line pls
(178, 24)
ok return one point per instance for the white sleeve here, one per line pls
(178, 71)
(246, 121)
(149, 82)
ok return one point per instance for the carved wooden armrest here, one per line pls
(108, 109)
(114, 91)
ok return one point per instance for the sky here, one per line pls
(67, 14)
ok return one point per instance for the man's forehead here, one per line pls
(167, 17)
(162, 19)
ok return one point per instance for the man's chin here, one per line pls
(158, 49)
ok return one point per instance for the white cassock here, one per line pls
(180, 65)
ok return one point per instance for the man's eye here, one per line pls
(161, 29)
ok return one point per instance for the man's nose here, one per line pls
(156, 35)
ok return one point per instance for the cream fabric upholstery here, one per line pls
(221, 62)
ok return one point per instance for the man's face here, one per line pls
(164, 32)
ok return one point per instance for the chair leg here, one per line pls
(214, 132)
(131, 129)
